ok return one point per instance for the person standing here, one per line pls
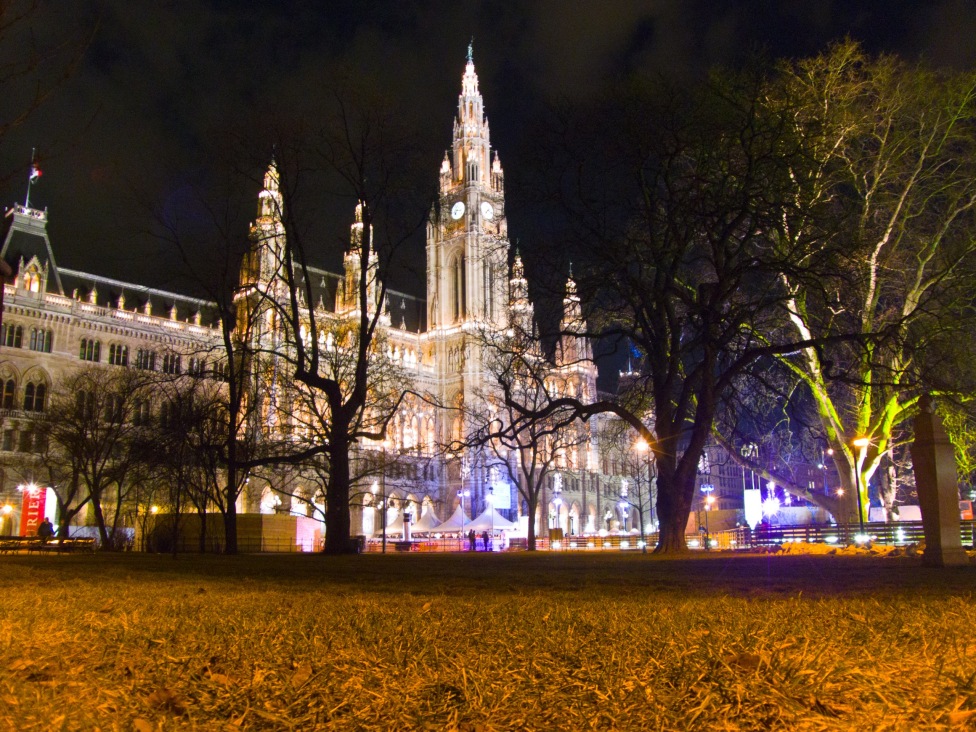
(485, 539)
(472, 538)
(45, 531)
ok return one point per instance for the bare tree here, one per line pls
(86, 443)
(523, 382)
(673, 219)
(362, 146)
(184, 446)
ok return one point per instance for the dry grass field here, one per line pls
(478, 642)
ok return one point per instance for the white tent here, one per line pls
(427, 523)
(395, 526)
(454, 524)
(491, 520)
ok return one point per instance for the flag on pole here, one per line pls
(35, 173)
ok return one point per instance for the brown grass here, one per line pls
(568, 642)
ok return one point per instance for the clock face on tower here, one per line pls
(487, 210)
(457, 210)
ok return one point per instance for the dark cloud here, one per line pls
(161, 81)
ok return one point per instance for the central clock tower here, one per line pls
(467, 261)
(467, 242)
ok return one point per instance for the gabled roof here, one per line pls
(26, 238)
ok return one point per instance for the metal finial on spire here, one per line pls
(471, 51)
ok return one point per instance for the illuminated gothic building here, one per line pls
(56, 319)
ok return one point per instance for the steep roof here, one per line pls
(26, 238)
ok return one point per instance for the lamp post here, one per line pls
(383, 506)
(491, 509)
(557, 501)
(709, 500)
(824, 454)
(644, 450)
(862, 443)
(461, 494)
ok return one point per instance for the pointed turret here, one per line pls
(522, 313)
(262, 267)
(574, 345)
(269, 199)
(471, 136)
(348, 299)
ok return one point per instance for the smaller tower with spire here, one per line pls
(348, 296)
(574, 346)
(521, 312)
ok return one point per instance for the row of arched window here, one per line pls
(39, 339)
(35, 396)
(413, 433)
(145, 360)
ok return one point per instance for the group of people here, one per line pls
(473, 541)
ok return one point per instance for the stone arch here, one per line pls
(37, 375)
(427, 506)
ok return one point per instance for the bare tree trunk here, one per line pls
(337, 520)
(533, 505)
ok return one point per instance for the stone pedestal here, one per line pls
(938, 491)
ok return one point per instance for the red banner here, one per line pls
(33, 512)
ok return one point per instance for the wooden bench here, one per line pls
(65, 546)
(10, 544)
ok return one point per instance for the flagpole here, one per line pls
(30, 178)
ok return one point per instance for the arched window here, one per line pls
(40, 340)
(32, 281)
(410, 433)
(84, 405)
(91, 350)
(13, 335)
(171, 363)
(34, 395)
(118, 354)
(457, 288)
(146, 359)
(8, 393)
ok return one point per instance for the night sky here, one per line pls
(161, 80)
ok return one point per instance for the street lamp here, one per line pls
(709, 501)
(461, 495)
(491, 512)
(383, 508)
(824, 454)
(862, 443)
(557, 501)
(644, 450)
